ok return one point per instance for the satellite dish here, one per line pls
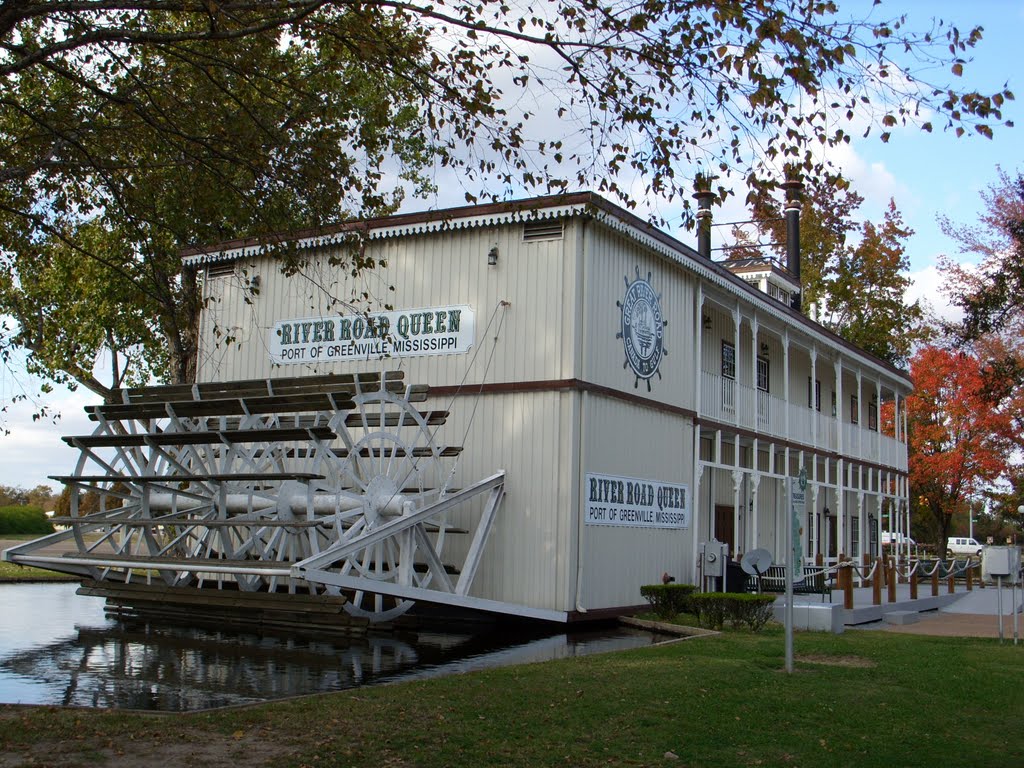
(756, 561)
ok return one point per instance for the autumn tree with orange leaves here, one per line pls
(961, 431)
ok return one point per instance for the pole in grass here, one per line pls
(794, 550)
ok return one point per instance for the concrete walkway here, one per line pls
(962, 614)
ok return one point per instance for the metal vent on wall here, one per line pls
(220, 269)
(542, 230)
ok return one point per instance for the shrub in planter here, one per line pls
(713, 609)
(667, 600)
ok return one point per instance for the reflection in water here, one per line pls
(88, 660)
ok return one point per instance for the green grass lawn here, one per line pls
(858, 699)
(11, 572)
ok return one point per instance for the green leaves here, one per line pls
(856, 290)
(147, 132)
(168, 125)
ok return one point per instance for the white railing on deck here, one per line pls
(729, 401)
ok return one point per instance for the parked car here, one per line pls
(897, 538)
(963, 545)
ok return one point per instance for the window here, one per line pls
(816, 402)
(778, 293)
(854, 410)
(834, 411)
(762, 374)
(873, 416)
(728, 361)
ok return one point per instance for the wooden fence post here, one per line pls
(876, 583)
(892, 580)
(970, 576)
(935, 580)
(913, 580)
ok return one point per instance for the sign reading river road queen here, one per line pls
(405, 333)
(629, 501)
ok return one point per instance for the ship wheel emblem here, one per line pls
(643, 329)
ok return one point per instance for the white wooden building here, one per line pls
(641, 398)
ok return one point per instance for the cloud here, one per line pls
(33, 449)
(927, 286)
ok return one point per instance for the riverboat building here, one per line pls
(529, 408)
(641, 398)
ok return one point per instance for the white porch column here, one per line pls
(842, 468)
(755, 482)
(860, 417)
(814, 396)
(838, 371)
(695, 508)
(878, 527)
(878, 420)
(737, 410)
(896, 431)
(737, 485)
(813, 522)
(785, 384)
(753, 416)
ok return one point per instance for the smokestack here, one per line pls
(793, 189)
(704, 198)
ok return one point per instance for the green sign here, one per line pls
(797, 504)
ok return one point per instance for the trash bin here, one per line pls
(735, 577)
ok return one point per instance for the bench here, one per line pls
(813, 581)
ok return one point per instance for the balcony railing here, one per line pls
(728, 401)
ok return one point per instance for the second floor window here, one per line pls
(728, 360)
(762, 374)
(854, 410)
(814, 395)
(873, 417)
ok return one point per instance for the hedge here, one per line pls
(20, 520)
(740, 609)
(667, 600)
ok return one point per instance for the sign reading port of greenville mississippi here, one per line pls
(403, 333)
(629, 501)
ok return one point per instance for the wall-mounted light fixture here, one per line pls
(492, 257)
(764, 349)
(707, 322)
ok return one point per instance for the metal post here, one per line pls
(999, 604)
(789, 573)
(1013, 607)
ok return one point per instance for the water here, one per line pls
(57, 647)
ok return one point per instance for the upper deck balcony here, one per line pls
(730, 402)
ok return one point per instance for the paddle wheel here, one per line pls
(327, 485)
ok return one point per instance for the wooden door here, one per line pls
(725, 529)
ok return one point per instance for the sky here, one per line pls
(928, 175)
